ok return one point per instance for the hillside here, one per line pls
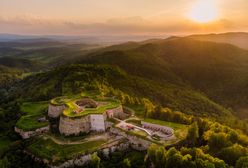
(238, 39)
(41, 54)
(216, 69)
(9, 75)
(77, 78)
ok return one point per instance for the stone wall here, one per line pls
(54, 111)
(74, 126)
(157, 127)
(97, 122)
(85, 159)
(28, 134)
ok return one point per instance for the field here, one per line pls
(47, 149)
(33, 111)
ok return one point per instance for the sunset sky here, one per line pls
(121, 17)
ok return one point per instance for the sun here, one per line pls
(203, 11)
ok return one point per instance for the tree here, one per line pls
(231, 154)
(187, 162)
(95, 161)
(242, 162)
(149, 107)
(4, 163)
(126, 163)
(174, 161)
(204, 164)
(193, 134)
(151, 153)
(160, 158)
(233, 136)
(218, 141)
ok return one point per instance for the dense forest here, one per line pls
(198, 83)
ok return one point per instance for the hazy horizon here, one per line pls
(118, 17)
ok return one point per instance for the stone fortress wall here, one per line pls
(83, 124)
(54, 111)
(74, 126)
(97, 122)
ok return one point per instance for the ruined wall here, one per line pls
(74, 126)
(97, 122)
(54, 111)
(28, 134)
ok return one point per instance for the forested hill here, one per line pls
(176, 71)
(239, 39)
(216, 69)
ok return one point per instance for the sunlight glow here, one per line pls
(203, 11)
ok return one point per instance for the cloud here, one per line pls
(29, 23)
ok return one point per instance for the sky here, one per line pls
(120, 17)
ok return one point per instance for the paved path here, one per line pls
(137, 127)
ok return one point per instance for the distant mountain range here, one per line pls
(75, 39)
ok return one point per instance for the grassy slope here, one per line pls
(47, 149)
(33, 111)
(180, 130)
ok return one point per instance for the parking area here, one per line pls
(148, 129)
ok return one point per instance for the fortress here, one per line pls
(85, 114)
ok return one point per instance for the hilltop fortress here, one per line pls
(98, 122)
(85, 114)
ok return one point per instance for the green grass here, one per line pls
(47, 149)
(180, 130)
(66, 99)
(69, 101)
(111, 103)
(134, 121)
(139, 132)
(32, 112)
(173, 125)
(139, 109)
